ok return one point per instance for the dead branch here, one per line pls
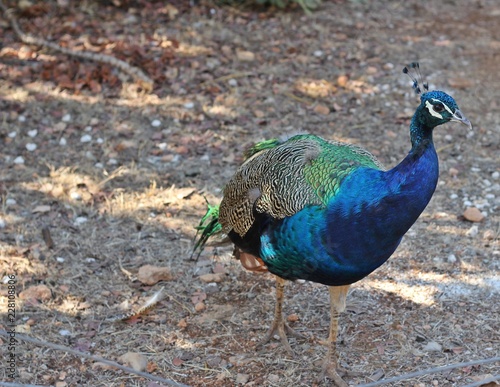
(94, 358)
(431, 371)
(144, 81)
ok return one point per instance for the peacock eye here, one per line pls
(438, 108)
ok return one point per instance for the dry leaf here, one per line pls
(150, 275)
(135, 360)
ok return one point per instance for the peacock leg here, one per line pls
(279, 325)
(337, 305)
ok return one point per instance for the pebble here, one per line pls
(112, 161)
(150, 275)
(37, 292)
(64, 332)
(318, 53)
(432, 346)
(155, 123)
(21, 119)
(32, 133)
(453, 196)
(75, 195)
(80, 220)
(10, 202)
(86, 138)
(30, 147)
(242, 378)
(472, 214)
(189, 105)
(233, 82)
(66, 118)
(100, 140)
(489, 235)
(137, 361)
(473, 231)
(63, 141)
(99, 165)
(200, 306)
(60, 259)
(2, 223)
(12, 134)
(88, 129)
(452, 258)
(19, 160)
(495, 175)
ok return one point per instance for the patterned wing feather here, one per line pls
(281, 180)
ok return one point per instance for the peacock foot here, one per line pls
(329, 370)
(281, 328)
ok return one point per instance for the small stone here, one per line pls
(245, 56)
(232, 82)
(318, 53)
(189, 105)
(32, 133)
(86, 138)
(150, 275)
(432, 346)
(60, 383)
(63, 141)
(342, 80)
(10, 202)
(137, 361)
(452, 258)
(100, 140)
(66, 118)
(75, 195)
(472, 214)
(12, 134)
(242, 378)
(155, 123)
(19, 160)
(211, 277)
(60, 259)
(453, 196)
(37, 292)
(292, 318)
(64, 332)
(88, 129)
(495, 175)
(473, 231)
(199, 307)
(322, 109)
(21, 119)
(213, 361)
(453, 172)
(30, 147)
(489, 235)
(80, 220)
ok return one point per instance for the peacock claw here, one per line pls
(281, 328)
(330, 371)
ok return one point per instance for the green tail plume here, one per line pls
(209, 225)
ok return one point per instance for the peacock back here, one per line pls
(281, 178)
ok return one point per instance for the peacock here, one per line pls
(328, 212)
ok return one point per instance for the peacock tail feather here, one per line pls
(208, 227)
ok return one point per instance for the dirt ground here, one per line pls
(99, 179)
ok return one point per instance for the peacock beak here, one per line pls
(459, 117)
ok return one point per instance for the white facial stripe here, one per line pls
(445, 106)
(430, 107)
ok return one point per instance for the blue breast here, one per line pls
(359, 229)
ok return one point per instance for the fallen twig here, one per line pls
(431, 371)
(92, 357)
(145, 82)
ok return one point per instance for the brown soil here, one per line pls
(116, 190)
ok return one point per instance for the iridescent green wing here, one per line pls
(282, 179)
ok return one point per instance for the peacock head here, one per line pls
(439, 108)
(436, 107)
